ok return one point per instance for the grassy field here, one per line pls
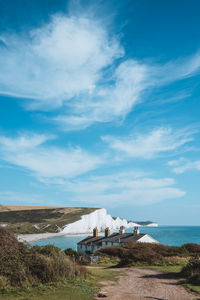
(69, 291)
(84, 289)
(21, 219)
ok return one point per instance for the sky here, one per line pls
(100, 106)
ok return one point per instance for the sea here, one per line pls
(168, 235)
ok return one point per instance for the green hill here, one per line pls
(39, 219)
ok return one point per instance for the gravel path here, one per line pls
(143, 284)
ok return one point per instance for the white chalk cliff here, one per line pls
(100, 219)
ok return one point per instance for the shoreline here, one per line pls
(34, 237)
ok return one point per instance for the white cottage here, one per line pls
(90, 244)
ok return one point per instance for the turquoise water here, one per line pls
(168, 235)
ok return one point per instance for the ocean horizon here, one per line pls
(167, 235)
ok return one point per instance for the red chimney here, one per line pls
(95, 232)
(107, 232)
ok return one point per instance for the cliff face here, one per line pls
(99, 219)
(61, 220)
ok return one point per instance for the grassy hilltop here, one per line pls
(39, 219)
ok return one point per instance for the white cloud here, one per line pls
(182, 165)
(129, 81)
(110, 101)
(58, 61)
(30, 153)
(124, 188)
(72, 63)
(149, 145)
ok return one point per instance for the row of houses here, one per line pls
(92, 243)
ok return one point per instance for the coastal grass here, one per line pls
(84, 289)
(79, 289)
(99, 274)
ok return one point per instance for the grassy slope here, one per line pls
(80, 289)
(21, 220)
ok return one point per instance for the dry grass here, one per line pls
(23, 207)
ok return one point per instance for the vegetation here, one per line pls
(65, 290)
(84, 289)
(183, 262)
(151, 254)
(76, 256)
(39, 220)
(192, 271)
(24, 266)
(45, 272)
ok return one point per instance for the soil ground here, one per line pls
(144, 284)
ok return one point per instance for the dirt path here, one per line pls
(143, 284)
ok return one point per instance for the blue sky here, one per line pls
(99, 106)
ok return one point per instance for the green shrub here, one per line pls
(3, 282)
(72, 253)
(151, 254)
(47, 250)
(21, 265)
(192, 271)
(76, 256)
(191, 248)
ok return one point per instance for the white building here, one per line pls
(90, 244)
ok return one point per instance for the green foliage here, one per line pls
(76, 256)
(21, 265)
(48, 250)
(47, 219)
(192, 271)
(150, 254)
(72, 253)
(191, 248)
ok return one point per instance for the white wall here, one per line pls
(147, 239)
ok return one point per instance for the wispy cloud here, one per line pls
(109, 101)
(129, 81)
(44, 161)
(60, 60)
(123, 188)
(72, 63)
(151, 144)
(182, 165)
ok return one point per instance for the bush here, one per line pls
(3, 282)
(72, 253)
(145, 253)
(76, 256)
(191, 248)
(192, 271)
(51, 268)
(21, 265)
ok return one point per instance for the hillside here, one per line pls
(40, 219)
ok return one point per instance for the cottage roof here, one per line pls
(123, 238)
(113, 238)
(91, 240)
